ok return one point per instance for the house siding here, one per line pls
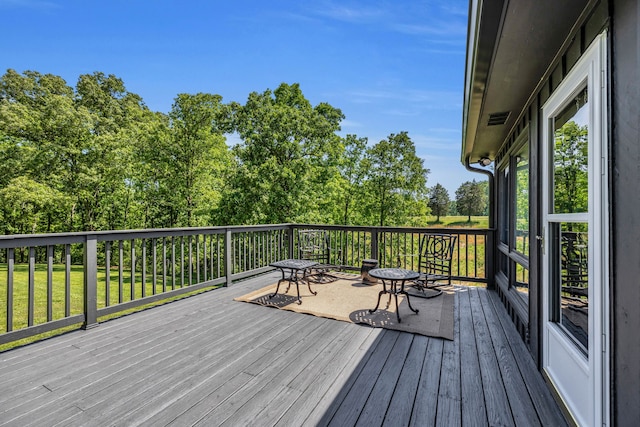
(625, 209)
(622, 19)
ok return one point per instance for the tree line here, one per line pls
(95, 157)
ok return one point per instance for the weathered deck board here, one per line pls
(426, 400)
(538, 391)
(474, 411)
(403, 398)
(519, 400)
(495, 396)
(207, 360)
(448, 411)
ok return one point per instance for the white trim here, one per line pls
(589, 70)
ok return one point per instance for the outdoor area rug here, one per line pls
(349, 300)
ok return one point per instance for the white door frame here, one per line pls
(581, 381)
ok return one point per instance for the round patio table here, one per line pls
(298, 272)
(396, 278)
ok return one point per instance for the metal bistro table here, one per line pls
(295, 267)
(396, 278)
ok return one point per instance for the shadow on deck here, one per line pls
(208, 360)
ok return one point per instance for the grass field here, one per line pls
(459, 222)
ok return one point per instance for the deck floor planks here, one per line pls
(124, 367)
(296, 369)
(141, 403)
(448, 411)
(426, 400)
(136, 378)
(404, 396)
(347, 371)
(519, 400)
(349, 409)
(314, 379)
(474, 412)
(63, 364)
(278, 363)
(383, 390)
(276, 391)
(496, 401)
(546, 407)
(240, 366)
(211, 385)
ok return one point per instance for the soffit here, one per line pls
(510, 47)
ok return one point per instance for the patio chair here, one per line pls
(314, 245)
(434, 263)
(575, 266)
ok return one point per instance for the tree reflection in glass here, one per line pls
(522, 201)
(570, 160)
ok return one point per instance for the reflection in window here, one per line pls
(504, 206)
(522, 281)
(570, 157)
(573, 290)
(513, 217)
(522, 201)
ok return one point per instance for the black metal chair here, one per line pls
(434, 263)
(314, 245)
(575, 265)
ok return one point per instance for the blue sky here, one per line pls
(390, 66)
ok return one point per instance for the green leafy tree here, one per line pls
(108, 156)
(286, 157)
(351, 178)
(147, 199)
(471, 198)
(71, 138)
(28, 207)
(439, 201)
(198, 155)
(15, 157)
(40, 111)
(570, 169)
(396, 180)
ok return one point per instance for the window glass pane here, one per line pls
(522, 281)
(522, 201)
(572, 280)
(504, 206)
(570, 157)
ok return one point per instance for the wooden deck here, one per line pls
(208, 360)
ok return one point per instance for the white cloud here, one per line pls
(440, 28)
(340, 12)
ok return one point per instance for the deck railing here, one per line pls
(399, 247)
(53, 281)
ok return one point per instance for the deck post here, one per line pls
(90, 282)
(290, 242)
(490, 258)
(228, 257)
(374, 243)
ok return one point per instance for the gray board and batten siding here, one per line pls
(621, 18)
